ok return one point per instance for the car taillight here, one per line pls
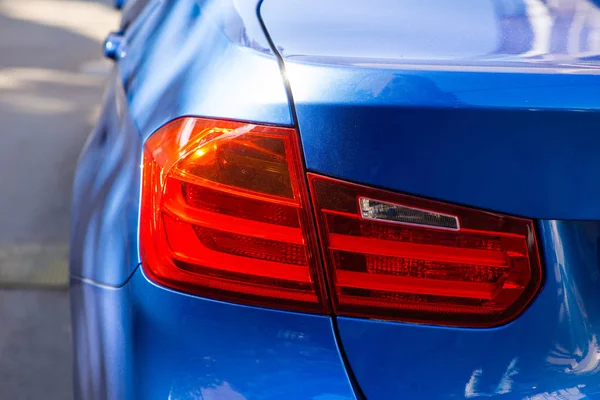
(225, 214)
(398, 257)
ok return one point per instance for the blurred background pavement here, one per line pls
(52, 77)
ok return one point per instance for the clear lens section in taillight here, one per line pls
(225, 214)
(398, 257)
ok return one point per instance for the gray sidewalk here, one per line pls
(51, 82)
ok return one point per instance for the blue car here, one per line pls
(342, 199)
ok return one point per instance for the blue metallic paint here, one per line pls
(552, 350)
(119, 4)
(167, 70)
(488, 101)
(106, 191)
(146, 342)
(133, 339)
(207, 58)
(488, 104)
(449, 100)
(102, 338)
(112, 44)
(475, 35)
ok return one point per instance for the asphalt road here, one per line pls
(51, 82)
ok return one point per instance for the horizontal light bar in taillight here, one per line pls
(225, 214)
(398, 257)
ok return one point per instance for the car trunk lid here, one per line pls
(491, 105)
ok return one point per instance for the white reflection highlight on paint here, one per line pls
(504, 386)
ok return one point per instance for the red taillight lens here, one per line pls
(403, 258)
(225, 214)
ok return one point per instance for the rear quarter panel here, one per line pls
(202, 58)
(132, 338)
